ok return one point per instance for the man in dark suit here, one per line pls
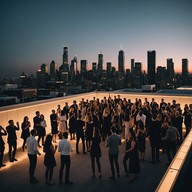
(12, 139)
(75, 106)
(80, 134)
(37, 126)
(113, 143)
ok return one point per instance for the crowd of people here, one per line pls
(108, 120)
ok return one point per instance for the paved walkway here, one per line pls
(14, 177)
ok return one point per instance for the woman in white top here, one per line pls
(127, 123)
(42, 131)
(62, 122)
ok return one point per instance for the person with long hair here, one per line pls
(49, 159)
(95, 152)
(42, 131)
(88, 131)
(25, 131)
(54, 125)
(106, 124)
(127, 123)
(134, 166)
(141, 136)
(72, 123)
(62, 125)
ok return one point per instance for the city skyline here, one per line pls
(35, 32)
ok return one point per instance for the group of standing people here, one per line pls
(95, 121)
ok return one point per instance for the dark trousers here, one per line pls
(49, 173)
(32, 165)
(93, 164)
(125, 158)
(180, 140)
(24, 142)
(171, 150)
(2, 149)
(77, 143)
(65, 160)
(39, 138)
(112, 159)
(12, 153)
(155, 153)
(188, 127)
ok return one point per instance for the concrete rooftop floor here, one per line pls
(14, 177)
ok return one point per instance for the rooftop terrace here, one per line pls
(14, 177)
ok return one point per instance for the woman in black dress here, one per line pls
(54, 125)
(25, 131)
(49, 159)
(72, 123)
(88, 131)
(134, 166)
(95, 151)
(141, 136)
(106, 125)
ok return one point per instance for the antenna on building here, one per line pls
(121, 46)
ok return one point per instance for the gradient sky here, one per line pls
(34, 32)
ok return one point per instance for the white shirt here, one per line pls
(142, 118)
(64, 147)
(43, 123)
(32, 146)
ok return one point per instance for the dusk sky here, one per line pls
(34, 32)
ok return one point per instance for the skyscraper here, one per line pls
(132, 65)
(42, 76)
(73, 69)
(151, 62)
(137, 75)
(52, 71)
(121, 60)
(65, 55)
(170, 70)
(83, 66)
(100, 63)
(44, 68)
(109, 70)
(185, 72)
(64, 68)
(94, 68)
(161, 74)
(73, 66)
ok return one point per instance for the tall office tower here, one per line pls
(65, 55)
(42, 76)
(151, 62)
(73, 69)
(161, 74)
(170, 70)
(73, 66)
(185, 72)
(137, 75)
(44, 68)
(94, 68)
(132, 64)
(83, 67)
(52, 71)
(109, 70)
(100, 63)
(121, 60)
(64, 72)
